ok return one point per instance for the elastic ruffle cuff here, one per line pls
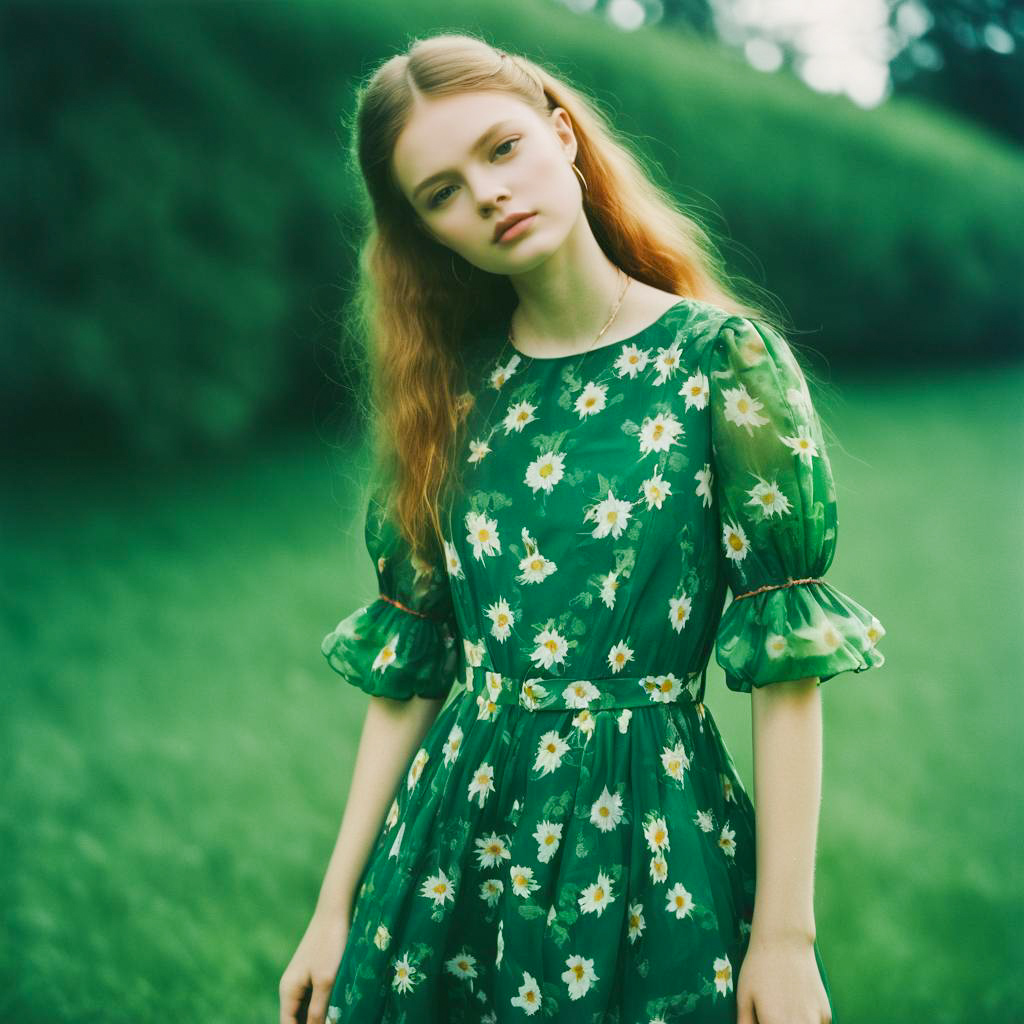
(793, 631)
(387, 651)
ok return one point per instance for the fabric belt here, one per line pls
(492, 690)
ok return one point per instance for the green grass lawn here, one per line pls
(176, 751)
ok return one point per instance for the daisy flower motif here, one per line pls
(609, 584)
(438, 888)
(822, 635)
(635, 922)
(679, 611)
(585, 722)
(705, 481)
(667, 362)
(723, 975)
(392, 819)
(611, 515)
(775, 646)
(453, 744)
(518, 416)
(462, 965)
(416, 768)
(579, 976)
(548, 835)
(550, 648)
(502, 619)
(477, 451)
(482, 533)
(529, 998)
(802, 444)
(697, 390)
(618, 656)
(660, 433)
(545, 471)
(659, 869)
(662, 689)
(656, 489)
(596, 896)
(656, 833)
(532, 693)
(592, 399)
(580, 692)
(631, 361)
(535, 568)
(742, 409)
(875, 631)
(522, 880)
(482, 783)
(735, 542)
(386, 655)
(381, 937)
(403, 980)
(491, 890)
(726, 786)
(675, 761)
(704, 821)
(550, 751)
(625, 715)
(606, 811)
(679, 901)
(503, 372)
(491, 850)
(768, 498)
(452, 561)
(727, 841)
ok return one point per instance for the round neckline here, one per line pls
(600, 348)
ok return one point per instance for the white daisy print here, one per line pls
(548, 835)
(579, 976)
(477, 451)
(619, 656)
(482, 783)
(502, 619)
(382, 937)
(742, 409)
(705, 821)
(462, 965)
(452, 561)
(822, 635)
(723, 974)
(518, 416)
(623, 720)
(667, 362)
(734, 541)
(635, 922)
(453, 744)
(591, 399)
(483, 535)
(416, 768)
(656, 489)
(491, 850)
(769, 499)
(491, 890)
(631, 361)
(659, 869)
(705, 481)
(609, 585)
(656, 834)
(579, 693)
(675, 761)
(532, 694)
(727, 840)
(550, 648)
(550, 751)
(523, 882)
(802, 444)
(606, 811)
(396, 846)
(438, 888)
(596, 896)
(679, 611)
(611, 515)
(544, 472)
(386, 655)
(679, 901)
(403, 980)
(502, 373)
(533, 566)
(696, 390)
(660, 433)
(529, 995)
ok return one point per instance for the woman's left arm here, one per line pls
(779, 975)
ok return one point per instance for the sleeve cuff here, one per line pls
(389, 652)
(795, 631)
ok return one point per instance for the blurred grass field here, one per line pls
(176, 751)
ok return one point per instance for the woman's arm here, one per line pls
(392, 730)
(779, 979)
(786, 728)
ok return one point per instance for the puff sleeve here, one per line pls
(773, 484)
(401, 644)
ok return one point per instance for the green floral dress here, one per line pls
(571, 840)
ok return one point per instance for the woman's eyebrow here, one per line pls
(476, 145)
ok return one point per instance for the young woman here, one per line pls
(582, 438)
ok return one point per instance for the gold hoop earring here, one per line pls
(579, 174)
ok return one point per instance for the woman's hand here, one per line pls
(313, 968)
(779, 983)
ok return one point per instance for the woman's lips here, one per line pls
(520, 227)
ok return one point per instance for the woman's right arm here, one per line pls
(392, 730)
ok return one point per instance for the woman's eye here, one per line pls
(437, 198)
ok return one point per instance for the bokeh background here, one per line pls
(182, 447)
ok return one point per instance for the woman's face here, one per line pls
(467, 161)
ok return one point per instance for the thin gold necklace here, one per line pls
(510, 340)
